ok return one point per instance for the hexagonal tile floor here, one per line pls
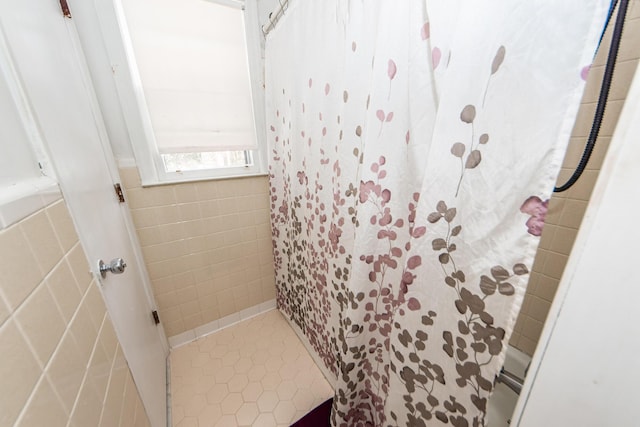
(255, 373)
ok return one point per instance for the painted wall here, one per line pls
(61, 361)
(566, 209)
(587, 372)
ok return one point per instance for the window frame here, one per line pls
(136, 114)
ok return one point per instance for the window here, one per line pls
(190, 66)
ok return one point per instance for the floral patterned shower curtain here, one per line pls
(412, 148)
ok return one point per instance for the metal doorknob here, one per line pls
(116, 266)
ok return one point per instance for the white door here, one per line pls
(48, 59)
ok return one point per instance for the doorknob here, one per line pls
(116, 266)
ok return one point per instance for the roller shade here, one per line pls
(192, 60)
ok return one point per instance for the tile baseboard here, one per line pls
(219, 324)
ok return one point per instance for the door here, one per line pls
(48, 58)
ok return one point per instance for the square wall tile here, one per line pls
(94, 304)
(629, 44)
(84, 333)
(599, 152)
(572, 213)
(138, 198)
(186, 193)
(100, 369)
(144, 217)
(625, 70)
(141, 419)
(129, 403)
(592, 88)
(563, 240)
(515, 337)
(51, 338)
(554, 265)
(583, 122)
(107, 338)
(42, 240)
(5, 312)
(41, 323)
(62, 225)
(130, 178)
(20, 272)
(189, 211)
(582, 189)
(66, 370)
(195, 237)
(62, 285)
(527, 345)
(44, 408)
(538, 309)
(547, 287)
(87, 408)
(166, 214)
(532, 329)
(634, 10)
(207, 190)
(80, 268)
(19, 371)
(112, 409)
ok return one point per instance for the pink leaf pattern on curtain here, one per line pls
(401, 243)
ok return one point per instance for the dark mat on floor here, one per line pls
(319, 417)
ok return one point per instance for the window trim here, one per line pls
(136, 114)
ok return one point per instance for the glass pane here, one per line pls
(182, 162)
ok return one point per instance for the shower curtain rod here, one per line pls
(275, 16)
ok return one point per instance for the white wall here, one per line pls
(23, 188)
(18, 161)
(27, 182)
(589, 352)
(265, 8)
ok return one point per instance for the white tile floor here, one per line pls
(255, 373)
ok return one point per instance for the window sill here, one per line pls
(25, 198)
(187, 179)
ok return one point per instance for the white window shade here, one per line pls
(192, 60)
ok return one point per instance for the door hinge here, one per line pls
(119, 192)
(65, 9)
(156, 318)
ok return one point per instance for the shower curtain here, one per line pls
(413, 148)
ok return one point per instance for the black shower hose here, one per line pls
(604, 95)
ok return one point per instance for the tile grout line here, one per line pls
(46, 365)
